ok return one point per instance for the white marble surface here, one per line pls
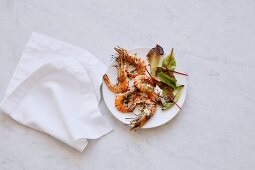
(213, 40)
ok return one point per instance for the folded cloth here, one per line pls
(40, 49)
(55, 94)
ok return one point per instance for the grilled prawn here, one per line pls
(146, 85)
(124, 102)
(122, 80)
(138, 63)
(148, 110)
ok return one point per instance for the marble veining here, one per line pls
(214, 42)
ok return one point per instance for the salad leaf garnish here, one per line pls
(170, 81)
(169, 103)
(169, 62)
(164, 77)
(153, 57)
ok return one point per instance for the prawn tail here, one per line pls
(109, 85)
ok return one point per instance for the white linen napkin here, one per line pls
(41, 49)
(53, 92)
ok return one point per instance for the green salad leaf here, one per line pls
(170, 81)
(169, 104)
(169, 62)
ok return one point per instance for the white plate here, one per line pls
(161, 116)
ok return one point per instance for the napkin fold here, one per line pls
(40, 49)
(56, 89)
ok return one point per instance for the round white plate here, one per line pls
(161, 116)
